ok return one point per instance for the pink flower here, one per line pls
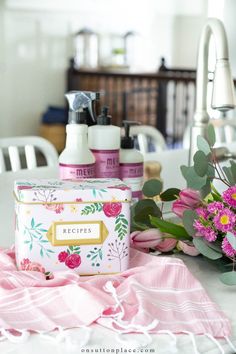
(62, 256)
(188, 248)
(202, 212)
(166, 245)
(229, 196)
(227, 248)
(73, 261)
(178, 207)
(214, 207)
(112, 209)
(190, 197)
(145, 239)
(224, 220)
(26, 264)
(58, 208)
(206, 231)
(78, 200)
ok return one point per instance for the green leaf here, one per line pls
(193, 180)
(211, 135)
(228, 278)
(143, 209)
(233, 169)
(232, 239)
(32, 223)
(41, 252)
(71, 248)
(27, 241)
(205, 190)
(205, 250)
(152, 187)
(203, 145)
(170, 194)
(189, 216)
(118, 226)
(31, 247)
(165, 226)
(228, 173)
(200, 163)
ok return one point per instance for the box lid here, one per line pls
(84, 190)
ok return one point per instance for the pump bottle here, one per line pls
(76, 161)
(131, 163)
(104, 142)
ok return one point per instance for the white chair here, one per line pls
(27, 145)
(14, 148)
(143, 133)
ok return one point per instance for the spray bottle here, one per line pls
(76, 161)
(131, 163)
(104, 142)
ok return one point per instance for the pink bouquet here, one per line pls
(206, 221)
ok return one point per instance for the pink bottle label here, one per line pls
(131, 170)
(107, 163)
(132, 175)
(74, 172)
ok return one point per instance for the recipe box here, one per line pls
(82, 225)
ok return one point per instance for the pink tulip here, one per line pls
(190, 197)
(178, 207)
(145, 239)
(188, 248)
(166, 245)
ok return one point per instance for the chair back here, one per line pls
(144, 134)
(23, 148)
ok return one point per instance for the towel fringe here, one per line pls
(126, 327)
(232, 346)
(214, 340)
(192, 337)
(65, 336)
(174, 339)
(15, 339)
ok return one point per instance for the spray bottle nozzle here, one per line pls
(81, 106)
(104, 118)
(127, 142)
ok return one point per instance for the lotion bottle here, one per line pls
(131, 163)
(76, 161)
(104, 142)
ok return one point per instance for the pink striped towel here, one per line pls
(156, 293)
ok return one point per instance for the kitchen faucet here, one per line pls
(223, 93)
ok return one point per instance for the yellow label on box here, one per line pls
(72, 233)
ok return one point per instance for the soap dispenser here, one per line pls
(104, 142)
(76, 161)
(131, 163)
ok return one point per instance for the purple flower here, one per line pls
(202, 212)
(224, 220)
(205, 231)
(214, 207)
(227, 248)
(229, 196)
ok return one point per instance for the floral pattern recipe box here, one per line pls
(82, 225)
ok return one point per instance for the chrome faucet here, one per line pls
(223, 93)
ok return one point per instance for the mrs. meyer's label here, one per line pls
(132, 175)
(107, 163)
(76, 171)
